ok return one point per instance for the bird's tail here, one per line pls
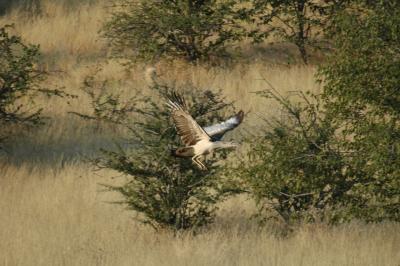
(173, 152)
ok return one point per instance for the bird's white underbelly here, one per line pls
(203, 147)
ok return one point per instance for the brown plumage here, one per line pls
(186, 127)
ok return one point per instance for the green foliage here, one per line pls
(362, 93)
(296, 167)
(337, 157)
(19, 83)
(167, 192)
(300, 22)
(188, 29)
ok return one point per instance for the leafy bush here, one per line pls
(362, 93)
(167, 192)
(296, 167)
(192, 30)
(20, 80)
(338, 157)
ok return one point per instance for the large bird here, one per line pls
(199, 141)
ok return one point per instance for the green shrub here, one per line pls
(165, 191)
(296, 167)
(191, 30)
(20, 80)
(337, 157)
(362, 93)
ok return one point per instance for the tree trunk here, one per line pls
(301, 33)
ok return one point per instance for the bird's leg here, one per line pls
(194, 159)
(203, 167)
(205, 157)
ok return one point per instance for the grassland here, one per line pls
(53, 210)
(59, 216)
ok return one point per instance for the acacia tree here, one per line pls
(300, 22)
(188, 29)
(165, 191)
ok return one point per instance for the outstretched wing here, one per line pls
(187, 128)
(217, 131)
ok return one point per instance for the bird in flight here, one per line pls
(199, 141)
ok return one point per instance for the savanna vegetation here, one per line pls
(20, 79)
(84, 125)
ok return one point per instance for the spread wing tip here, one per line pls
(176, 101)
(240, 116)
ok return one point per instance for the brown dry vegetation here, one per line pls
(54, 213)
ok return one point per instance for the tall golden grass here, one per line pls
(61, 33)
(58, 216)
(52, 210)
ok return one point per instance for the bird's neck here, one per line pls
(222, 144)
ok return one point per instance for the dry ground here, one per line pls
(52, 210)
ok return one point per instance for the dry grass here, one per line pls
(52, 210)
(57, 216)
(65, 37)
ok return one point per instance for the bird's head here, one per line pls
(228, 144)
(233, 144)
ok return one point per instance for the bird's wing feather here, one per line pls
(188, 129)
(218, 130)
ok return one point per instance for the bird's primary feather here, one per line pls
(188, 129)
(217, 131)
